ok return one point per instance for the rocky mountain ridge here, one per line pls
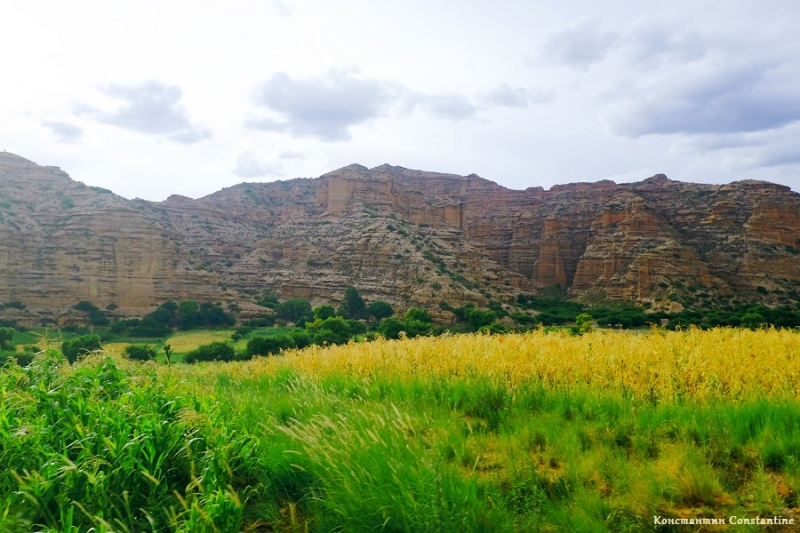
(408, 237)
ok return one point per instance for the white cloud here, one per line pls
(152, 108)
(64, 132)
(520, 97)
(580, 44)
(248, 165)
(323, 108)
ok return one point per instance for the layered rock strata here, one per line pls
(404, 236)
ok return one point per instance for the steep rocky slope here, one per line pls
(408, 237)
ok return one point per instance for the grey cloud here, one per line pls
(321, 108)
(151, 108)
(718, 98)
(519, 97)
(652, 41)
(66, 133)
(282, 8)
(445, 106)
(328, 108)
(780, 148)
(582, 44)
(292, 154)
(249, 166)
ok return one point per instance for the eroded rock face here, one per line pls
(404, 236)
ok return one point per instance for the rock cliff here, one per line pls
(404, 236)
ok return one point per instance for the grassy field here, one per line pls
(460, 433)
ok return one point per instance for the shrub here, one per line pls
(494, 329)
(353, 305)
(324, 311)
(380, 310)
(421, 315)
(72, 348)
(357, 327)
(391, 328)
(294, 308)
(416, 328)
(260, 322)
(140, 352)
(584, 322)
(301, 338)
(216, 351)
(268, 345)
(6, 334)
(477, 318)
(19, 358)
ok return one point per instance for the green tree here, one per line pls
(301, 338)
(353, 305)
(268, 299)
(380, 310)
(752, 319)
(140, 352)
(84, 306)
(6, 334)
(477, 318)
(324, 311)
(416, 328)
(421, 315)
(584, 322)
(293, 309)
(187, 314)
(216, 351)
(391, 327)
(268, 345)
(72, 348)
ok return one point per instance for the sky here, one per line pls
(182, 97)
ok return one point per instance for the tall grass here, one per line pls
(100, 448)
(468, 433)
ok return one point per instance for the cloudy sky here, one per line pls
(152, 98)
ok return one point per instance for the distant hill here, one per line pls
(400, 235)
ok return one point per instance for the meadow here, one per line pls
(520, 432)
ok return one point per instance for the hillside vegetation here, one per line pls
(522, 432)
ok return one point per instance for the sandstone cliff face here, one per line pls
(404, 236)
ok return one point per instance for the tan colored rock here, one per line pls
(404, 236)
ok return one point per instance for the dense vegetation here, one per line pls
(600, 431)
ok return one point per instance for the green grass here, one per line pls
(119, 446)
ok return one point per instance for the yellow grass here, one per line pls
(186, 342)
(701, 365)
(115, 348)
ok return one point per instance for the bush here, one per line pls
(356, 327)
(523, 318)
(477, 318)
(353, 304)
(324, 311)
(494, 329)
(268, 345)
(241, 332)
(420, 315)
(584, 322)
(19, 358)
(380, 310)
(416, 328)
(260, 322)
(294, 308)
(391, 328)
(6, 334)
(72, 348)
(140, 352)
(301, 338)
(216, 351)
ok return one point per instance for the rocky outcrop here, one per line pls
(405, 236)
